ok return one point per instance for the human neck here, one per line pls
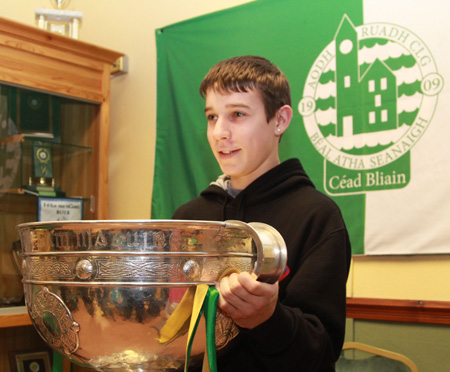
(240, 183)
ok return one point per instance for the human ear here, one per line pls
(284, 116)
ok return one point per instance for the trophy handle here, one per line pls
(17, 256)
(270, 247)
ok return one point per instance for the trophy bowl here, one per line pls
(100, 293)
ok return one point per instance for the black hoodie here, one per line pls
(306, 331)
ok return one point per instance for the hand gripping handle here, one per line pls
(270, 248)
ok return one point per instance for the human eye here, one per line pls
(238, 114)
(211, 117)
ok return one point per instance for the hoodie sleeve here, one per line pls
(307, 328)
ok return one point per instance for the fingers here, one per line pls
(231, 294)
(252, 286)
(243, 287)
(246, 300)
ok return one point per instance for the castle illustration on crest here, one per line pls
(366, 101)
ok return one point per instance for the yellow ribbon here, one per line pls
(186, 317)
(178, 322)
(197, 308)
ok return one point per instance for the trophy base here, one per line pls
(42, 186)
(44, 190)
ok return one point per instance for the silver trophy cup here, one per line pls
(101, 292)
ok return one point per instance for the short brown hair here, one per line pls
(246, 73)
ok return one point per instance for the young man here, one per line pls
(299, 323)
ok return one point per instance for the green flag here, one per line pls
(290, 33)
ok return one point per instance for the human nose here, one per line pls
(221, 129)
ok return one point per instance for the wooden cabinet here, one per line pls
(72, 80)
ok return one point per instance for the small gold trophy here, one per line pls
(58, 20)
(42, 182)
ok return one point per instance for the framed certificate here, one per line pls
(30, 361)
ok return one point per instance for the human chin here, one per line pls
(228, 168)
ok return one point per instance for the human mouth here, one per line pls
(227, 153)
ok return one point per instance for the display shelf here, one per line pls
(58, 149)
(68, 82)
(14, 317)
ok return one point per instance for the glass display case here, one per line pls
(45, 153)
(54, 132)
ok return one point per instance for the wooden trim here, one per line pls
(410, 311)
(103, 149)
(48, 62)
(62, 43)
(14, 320)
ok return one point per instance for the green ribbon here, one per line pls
(210, 306)
(58, 363)
(209, 309)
